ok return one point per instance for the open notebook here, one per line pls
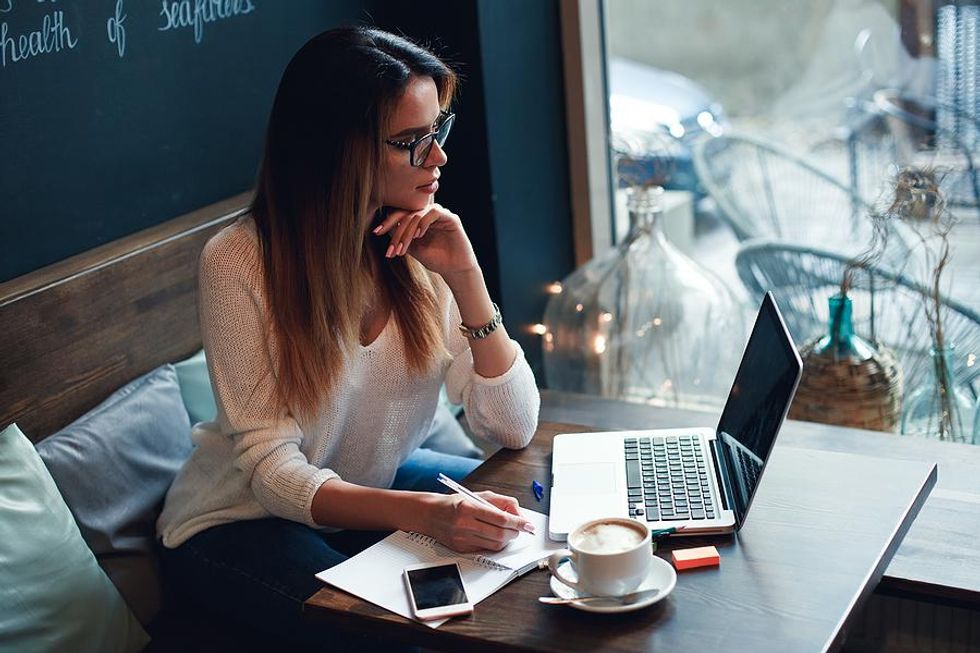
(375, 574)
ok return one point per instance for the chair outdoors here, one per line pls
(802, 278)
(957, 92)
(903, 131)
(765, 191)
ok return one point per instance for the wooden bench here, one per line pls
(75, 331)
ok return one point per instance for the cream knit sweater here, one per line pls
(256, 462)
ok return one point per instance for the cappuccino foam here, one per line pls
(608, 537)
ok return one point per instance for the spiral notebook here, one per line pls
(375, 574)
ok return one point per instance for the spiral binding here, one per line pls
(483, 561)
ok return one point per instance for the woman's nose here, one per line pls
(437, 156)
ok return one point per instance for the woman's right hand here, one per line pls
(466, 526)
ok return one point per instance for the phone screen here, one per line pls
(434, 587)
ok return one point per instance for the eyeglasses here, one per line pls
(418, 149)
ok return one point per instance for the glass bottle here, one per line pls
(841, 341)
(846, 379)
(644, 322)
(939, 408)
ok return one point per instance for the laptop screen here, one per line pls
(760, 397)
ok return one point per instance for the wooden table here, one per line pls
(788, 581)
(938, 560)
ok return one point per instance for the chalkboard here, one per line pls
(116, 115)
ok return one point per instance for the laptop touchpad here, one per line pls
(586, 478)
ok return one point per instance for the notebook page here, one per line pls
(527, 548)
(375, 574)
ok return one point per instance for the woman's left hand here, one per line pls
(434, 236)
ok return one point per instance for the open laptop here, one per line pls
(698, 478)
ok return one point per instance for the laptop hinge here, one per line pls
(724, 478)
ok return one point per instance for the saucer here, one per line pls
(661, 575)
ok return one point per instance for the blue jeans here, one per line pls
(258, 573)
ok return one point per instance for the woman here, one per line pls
(331, 315)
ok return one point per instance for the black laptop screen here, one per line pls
(760, 397)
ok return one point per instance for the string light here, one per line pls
(549, 344)
(606, 317)
(579, 308)
(539, 329)
(555, 287)
(599, 344)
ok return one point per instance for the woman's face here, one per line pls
(415, 115)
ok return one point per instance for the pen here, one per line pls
(538, 490)
(469, 494)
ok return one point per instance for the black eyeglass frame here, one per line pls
(414, 158)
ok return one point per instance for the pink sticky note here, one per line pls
(702, 556)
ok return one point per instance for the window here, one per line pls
(790, 136)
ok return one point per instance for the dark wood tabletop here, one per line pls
(787, 582)
(939, 558)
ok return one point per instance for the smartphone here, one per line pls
(436, 591)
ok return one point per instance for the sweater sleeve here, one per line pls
(503, 408)
(266, 439)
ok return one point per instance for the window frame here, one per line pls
(587, 123)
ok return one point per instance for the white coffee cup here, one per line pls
(611, 557)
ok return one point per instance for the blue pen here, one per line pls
(538, 490)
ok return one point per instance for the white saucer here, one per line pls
(661, 575)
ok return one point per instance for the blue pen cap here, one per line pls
(538, 490)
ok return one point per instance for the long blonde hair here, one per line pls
(323, 158)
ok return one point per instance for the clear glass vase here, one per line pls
(938, 408)
(644, 322)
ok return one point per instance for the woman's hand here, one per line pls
(434, 236)
(466, 526)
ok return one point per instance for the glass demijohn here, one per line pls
(940, 410)
(644, 322)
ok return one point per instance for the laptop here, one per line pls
(698, 478)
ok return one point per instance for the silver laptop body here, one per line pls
(701, 479)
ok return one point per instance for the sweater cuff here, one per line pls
(512, 371)
(313, 483)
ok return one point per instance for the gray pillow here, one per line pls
(113, 467)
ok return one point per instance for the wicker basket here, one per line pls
(848, 391)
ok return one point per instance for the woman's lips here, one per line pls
(430, 187)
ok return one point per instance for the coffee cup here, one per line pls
(611, 557)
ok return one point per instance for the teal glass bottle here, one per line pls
(939, 408)
(846, 379)
(841, 341)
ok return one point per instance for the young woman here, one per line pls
(331, 316)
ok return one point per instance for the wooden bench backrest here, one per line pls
(74, 331)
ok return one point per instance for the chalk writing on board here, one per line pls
(116, 29)
(197, 13)
(6, 5)
(52, 36)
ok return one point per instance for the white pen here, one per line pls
(469, 494)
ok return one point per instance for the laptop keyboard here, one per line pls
(667, 479)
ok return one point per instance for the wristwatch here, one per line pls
(485, 330)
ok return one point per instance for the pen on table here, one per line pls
(538, 490)
(469, 494)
